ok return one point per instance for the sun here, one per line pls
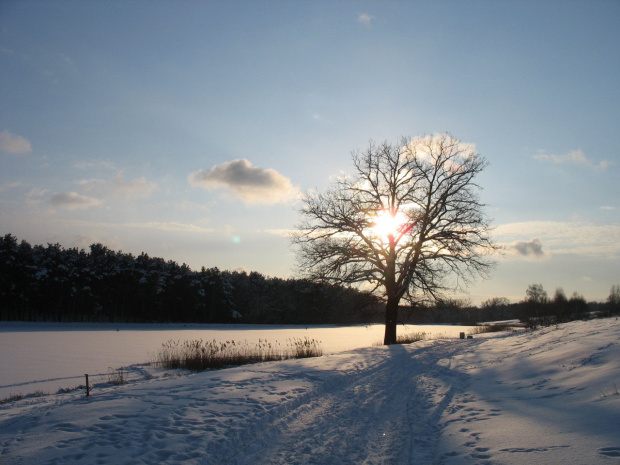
(386, 224)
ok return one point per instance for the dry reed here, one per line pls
(199, 355)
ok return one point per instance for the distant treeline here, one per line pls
(536, 309)
(51, 283)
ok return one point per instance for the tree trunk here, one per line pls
(391, 317)
(391, 307)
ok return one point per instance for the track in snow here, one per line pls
(389, 413)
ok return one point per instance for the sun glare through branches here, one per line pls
(386, 224)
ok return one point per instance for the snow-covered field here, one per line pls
(543, 397)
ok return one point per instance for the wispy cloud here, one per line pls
(73, 201)
(14, 144)
(10, 185)
(575, 157)
(119, 188)
(154, 225)
(280, 232)
(573, 237)
(249, 183)
(169, 226)
(13, 53)
(365, 19)
(36, 195)
(65, 59)
(90, 164)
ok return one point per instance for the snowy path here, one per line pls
(367, 418)
(545, 398)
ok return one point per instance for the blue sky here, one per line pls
(187, 129)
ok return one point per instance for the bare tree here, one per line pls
(409, 223)
(535, 293)
(613, 301)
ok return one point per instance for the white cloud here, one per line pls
(365, 19)
(428, 147)
(575, 157)
(249, 183)
(73, 201)
(12, 143)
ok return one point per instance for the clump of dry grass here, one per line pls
(17, 397)
(117, 376)
(408, 338)
(11, 398)
(199, 355)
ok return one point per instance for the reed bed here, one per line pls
(199, 355)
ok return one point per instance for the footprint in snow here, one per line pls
(609, 451)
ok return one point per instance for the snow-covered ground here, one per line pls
(543, 397)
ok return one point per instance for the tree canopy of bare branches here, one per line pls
(409, 223)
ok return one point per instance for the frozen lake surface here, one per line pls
(52, 356)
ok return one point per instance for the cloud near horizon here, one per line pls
(249, 183)
(14, 144)
(73, 201)
(575, 157)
